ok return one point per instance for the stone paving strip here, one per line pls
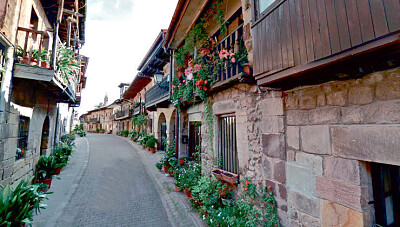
(64, 189)
(112, 181)
(177, 204)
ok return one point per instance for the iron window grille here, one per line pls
(228, 157)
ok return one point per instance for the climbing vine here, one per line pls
(199, 61)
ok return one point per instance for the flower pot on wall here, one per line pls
(229, 178)
(217, 173)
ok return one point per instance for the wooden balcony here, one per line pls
(233, 43)
(33, 63)
(158, 95)
(293, 37)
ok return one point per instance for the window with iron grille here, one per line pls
(386, 186)
(228, 157)
(23, 130)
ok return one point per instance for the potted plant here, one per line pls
(182, 160)
(17, 205)
(151, 144)
(45, 169)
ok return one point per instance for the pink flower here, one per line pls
(233, 60)
(196, 67)
(183, 81)
(188, 71)
(232, 54)
(174, 86)
(223, 54)
(190, 77)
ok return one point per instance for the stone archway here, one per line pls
(162, 130)
(45, 136)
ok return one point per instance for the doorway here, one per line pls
(194, 141)
(45, 136)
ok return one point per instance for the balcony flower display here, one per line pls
(68, 64)
(200, 73)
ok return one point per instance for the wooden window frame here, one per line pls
(380, 194)
(232, 164)
(258, 16)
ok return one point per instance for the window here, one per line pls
(386, 186)
(263, 4)
(23, 130)
(228, 159)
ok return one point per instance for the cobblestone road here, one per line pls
(114, 190)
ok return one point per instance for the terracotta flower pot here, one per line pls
(45, 64)
(181, 161)
(148, 148)
(57, 171)
(25, 60)
(217, 173)
(153, 150)
(48, 182)
(166, 169)
(229, 178)
(177, 188)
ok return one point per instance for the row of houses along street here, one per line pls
(304, 98)
(299, 96)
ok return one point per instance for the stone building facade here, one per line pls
(321, 132)
(33, 116)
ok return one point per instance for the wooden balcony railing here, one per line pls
(33, 51)
(157, 93)
(233, 43)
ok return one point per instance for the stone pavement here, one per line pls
(118, 186)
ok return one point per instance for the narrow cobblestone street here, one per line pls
(114, 190)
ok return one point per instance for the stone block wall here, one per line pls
(332, 131)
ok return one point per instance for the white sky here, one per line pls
(118, 35)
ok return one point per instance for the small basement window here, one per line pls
(386, 186)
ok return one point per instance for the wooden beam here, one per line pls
(66, 11)
(268, 78)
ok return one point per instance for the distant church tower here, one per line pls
(105, 100)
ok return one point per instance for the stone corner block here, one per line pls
(306, 204)
(339, 192)
(274, 145)
(300, 178)
(293, 137)
(316, 139)
(334, 214)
